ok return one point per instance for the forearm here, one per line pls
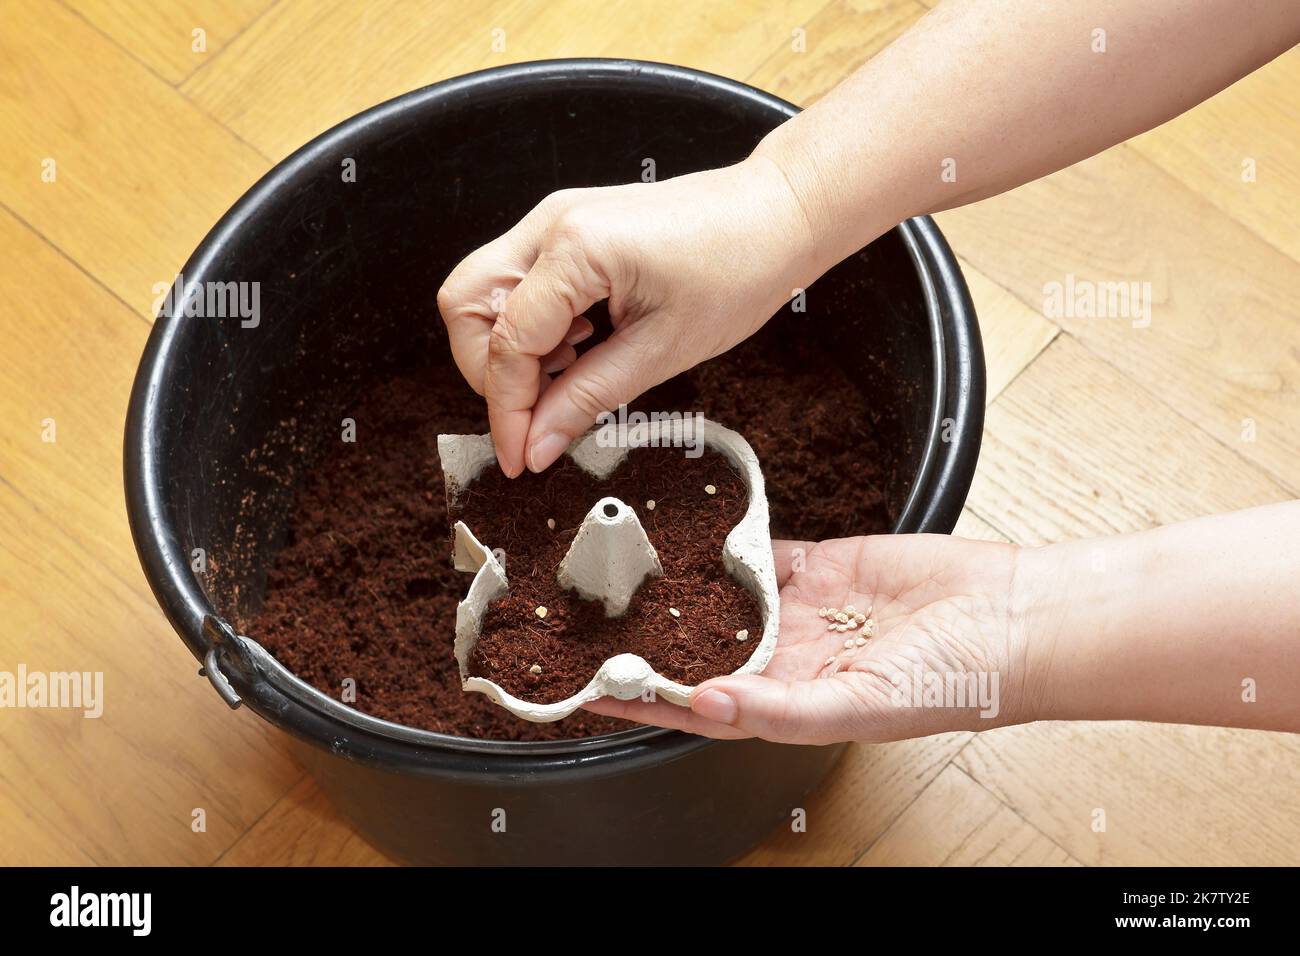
(983, 95)
(1197, 622)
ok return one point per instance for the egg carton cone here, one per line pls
(610, 557)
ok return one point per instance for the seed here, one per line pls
(869, 628)
(650, 505)
(550, 523)
(831, 626)
(829, 662)
(841, 628)
(541, 611)
(860, 641)
(710, 490)
(848, 644)
(851, 623)
(850, 609)
(674, 612)
(742, 635)
(821, 612)
(860, 618)
(535, 669)
(841, 618)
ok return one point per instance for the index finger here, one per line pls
(538, 315)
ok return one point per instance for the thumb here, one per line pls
(539, 314)
(824, 710)
(608, 375)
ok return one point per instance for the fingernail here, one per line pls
(555, 365)
(510, 470)
(573, 338)
(545, 450)
(715, 705)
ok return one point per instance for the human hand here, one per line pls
(691, 266)
(942, 606)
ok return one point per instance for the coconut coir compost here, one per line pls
(363, 589)
(683, 622)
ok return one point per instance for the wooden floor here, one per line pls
(1093, 427)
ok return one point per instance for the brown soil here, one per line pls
(363, 588)
(687, 527)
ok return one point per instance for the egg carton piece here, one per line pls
(610, 557)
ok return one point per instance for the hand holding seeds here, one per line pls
(858, 613)
(897, 636)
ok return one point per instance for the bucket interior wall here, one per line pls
(348, 272)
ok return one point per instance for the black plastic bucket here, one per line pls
(347, 274)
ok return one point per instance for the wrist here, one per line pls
(845, 207)
(1088, 624)
(800, 180)
(766, 182)
(1038, 614)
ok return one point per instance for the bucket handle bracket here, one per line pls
(222, 637)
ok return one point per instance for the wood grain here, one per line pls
(161, 35)
(141, 174)
(362, 54)
(1167, 795)
(871, 786)
(842, 36)
(1013, 334)
(1223, 344)
(1248, 130)
(956, 822)
(1075, 449)
(302, 830)
(74, 599)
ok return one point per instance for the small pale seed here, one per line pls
(650, 505)
(841, 618)
(831, 626)
(541, 611)
(742, 635)
(848, 644)
(860, 641)
(535, 669)
(850, 609)
(860, 618)
(674, 612)
(710, 490)
(841, 628)
(550, 523)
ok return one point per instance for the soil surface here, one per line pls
(363, 587)
(548, 658)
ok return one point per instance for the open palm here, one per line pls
(942, 606)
